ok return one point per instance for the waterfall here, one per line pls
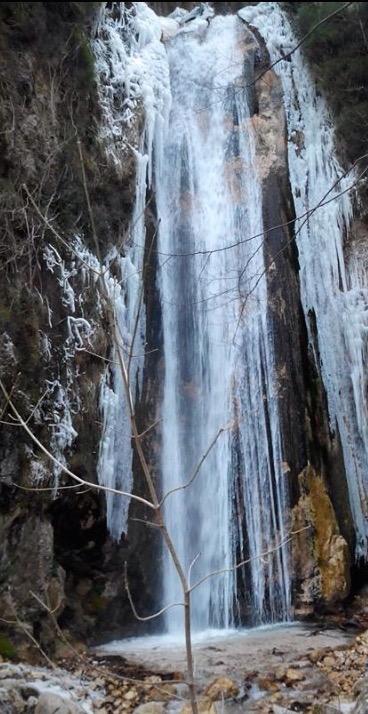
(221, 460)
(334, 286)
(219, 364)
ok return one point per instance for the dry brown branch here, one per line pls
(132, 605)
(149, 428)
(196, 470)
(266, 554)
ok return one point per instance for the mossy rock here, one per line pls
(7, 649)
(96, 603)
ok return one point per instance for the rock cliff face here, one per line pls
(320, 553)
(54, 545)
(55, 548)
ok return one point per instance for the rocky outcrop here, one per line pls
(320, 554)
(55, 547)
(42, 691)
(318, 494)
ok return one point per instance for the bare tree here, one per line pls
(153, 502)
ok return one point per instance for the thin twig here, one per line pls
(135, 613)
(196, 470)
(64, 468)
(223, 571)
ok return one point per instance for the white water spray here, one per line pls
(219, 365)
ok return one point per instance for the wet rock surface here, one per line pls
(313, 669)
(55, 544)
(320, 553)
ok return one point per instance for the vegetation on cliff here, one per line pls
(49, 99)
(338, 54)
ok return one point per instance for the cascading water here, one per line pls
(219, 366)
(220, 398)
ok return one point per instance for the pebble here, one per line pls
(293, 675)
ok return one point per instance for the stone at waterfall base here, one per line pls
(205, 706)
(50, 703)
(221, 688)
(150, 708)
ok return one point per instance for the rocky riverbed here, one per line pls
(270, 671)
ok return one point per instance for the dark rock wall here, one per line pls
(306, 437)
(54, 547)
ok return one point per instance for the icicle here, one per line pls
(335, 294)
(132, 69)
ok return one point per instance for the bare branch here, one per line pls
(286, 56)
(267, 553)
(145, 523)
(284, 224)
(293, 238)
(90, 665)
(64, 468)
(149, 617)
(299, 44)
(140, 300)
(44, 395)
(196, 470)
(55, 232)
(149, 428)
(3, 411)
(191, 566)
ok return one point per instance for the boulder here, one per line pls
(221, 688)
(10, 701)
(292, 676)
(361, 690)
(320, 554)
(267, 682)
(50, 703)
(205, 706)
(150, 708)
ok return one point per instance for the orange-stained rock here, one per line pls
(320, 554)
(221, 688)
